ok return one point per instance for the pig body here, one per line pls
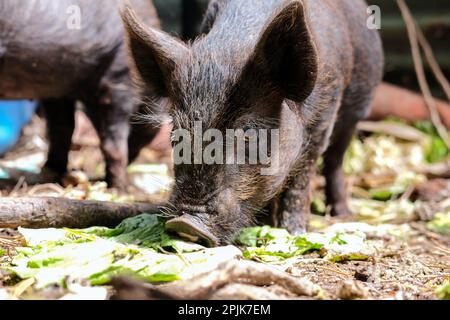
(64, 51)
(307, 68)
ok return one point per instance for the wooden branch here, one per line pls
(49, 212)
(394, 101)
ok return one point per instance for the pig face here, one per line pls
(228, 96)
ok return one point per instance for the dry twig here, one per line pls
(420, 71)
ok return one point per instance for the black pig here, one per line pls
(307, 68)
(61, 51)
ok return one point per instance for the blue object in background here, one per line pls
(13, 116)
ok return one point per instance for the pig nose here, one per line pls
(190, 227)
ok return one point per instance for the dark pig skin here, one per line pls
(308, 68)
(42, 58)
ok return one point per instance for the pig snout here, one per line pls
(191, 227)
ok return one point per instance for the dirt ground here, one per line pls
(410, 268)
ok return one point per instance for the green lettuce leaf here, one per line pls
(139, 247)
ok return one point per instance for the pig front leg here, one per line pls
(335, 189)
(110, 114)
(294, 203)
(354, 108)
(60, 115)
(114, 146)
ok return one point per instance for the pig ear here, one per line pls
(155, 53)
(286, 54)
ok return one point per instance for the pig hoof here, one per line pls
(119, 183)
(297, 231)
(47, 175)
(340, 210)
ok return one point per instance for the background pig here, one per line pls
(45, 56)
(306, 67)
